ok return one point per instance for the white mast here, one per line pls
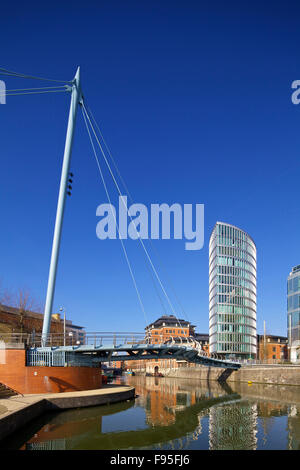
(76, 96)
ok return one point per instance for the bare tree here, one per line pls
(22, 300)
(5, 296)
(25, 302)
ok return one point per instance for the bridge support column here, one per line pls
(76, 96)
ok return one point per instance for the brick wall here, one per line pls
(272, 350)
(15, 374)
(27, 321)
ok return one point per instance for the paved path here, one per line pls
(16, 411)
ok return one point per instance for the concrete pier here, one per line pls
(17, 411)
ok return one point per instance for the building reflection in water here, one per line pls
(233, 426)
(294, 428)
(172, 413)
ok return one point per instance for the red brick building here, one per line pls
(272, 348)
(162, 330)
(167, 327)
(17, 320)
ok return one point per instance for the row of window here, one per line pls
(294, 319)
(242, 245)
(236, 253)
(294, 334)
(232, 291)
(239, 263)
(232, 234)
(293, 302)
(243, 301)
(215, 308)
(243, 311)
(234, 348)
(232, 328)
(234, 262)
(230, 241)
(233, 319)
(178, 332)
(233, 271)
(293, 285)
(232, 338)
(217, 300)
(233, 281)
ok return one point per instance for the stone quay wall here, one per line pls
(264, 374)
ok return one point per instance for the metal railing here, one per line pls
(97, 340)
(110, 338)
(269, 362)
(59, 339)
(15, 338)
(54, 358)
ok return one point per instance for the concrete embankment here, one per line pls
(283, 394)
(267, 374)
(17, 411)
(264, 374)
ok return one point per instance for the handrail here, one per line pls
(97, 339)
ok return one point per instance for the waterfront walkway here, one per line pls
(16, 411)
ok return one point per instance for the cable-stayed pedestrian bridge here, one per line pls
(108, 347)
(98, 348)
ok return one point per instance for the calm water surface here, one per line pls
(175, 414)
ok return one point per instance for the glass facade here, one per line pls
(293, 311)
(232, 292)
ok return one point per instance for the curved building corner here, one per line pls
(232, 292)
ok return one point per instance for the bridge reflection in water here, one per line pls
(175, 414)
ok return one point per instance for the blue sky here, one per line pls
(194, 101)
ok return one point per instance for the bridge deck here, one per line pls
(93, 354)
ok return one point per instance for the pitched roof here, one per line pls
(169, 320)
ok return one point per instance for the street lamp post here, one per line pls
(63, 310)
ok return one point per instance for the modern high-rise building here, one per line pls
(293, 311)
(232, 292)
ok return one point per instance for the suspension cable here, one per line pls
(33, 92)
(108, 197)
(10, 73)
(131, 199)
(66, 87)
(139, 238)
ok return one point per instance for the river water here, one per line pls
(177, 414)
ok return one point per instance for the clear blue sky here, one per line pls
(194, 100)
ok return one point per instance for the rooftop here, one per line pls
(39, 316)
(169, 320)
(233, 226)
(296, 269)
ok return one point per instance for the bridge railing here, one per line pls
(72, 339)
(97, 339)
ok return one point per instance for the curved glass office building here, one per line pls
(232, 292)
(293, 307)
